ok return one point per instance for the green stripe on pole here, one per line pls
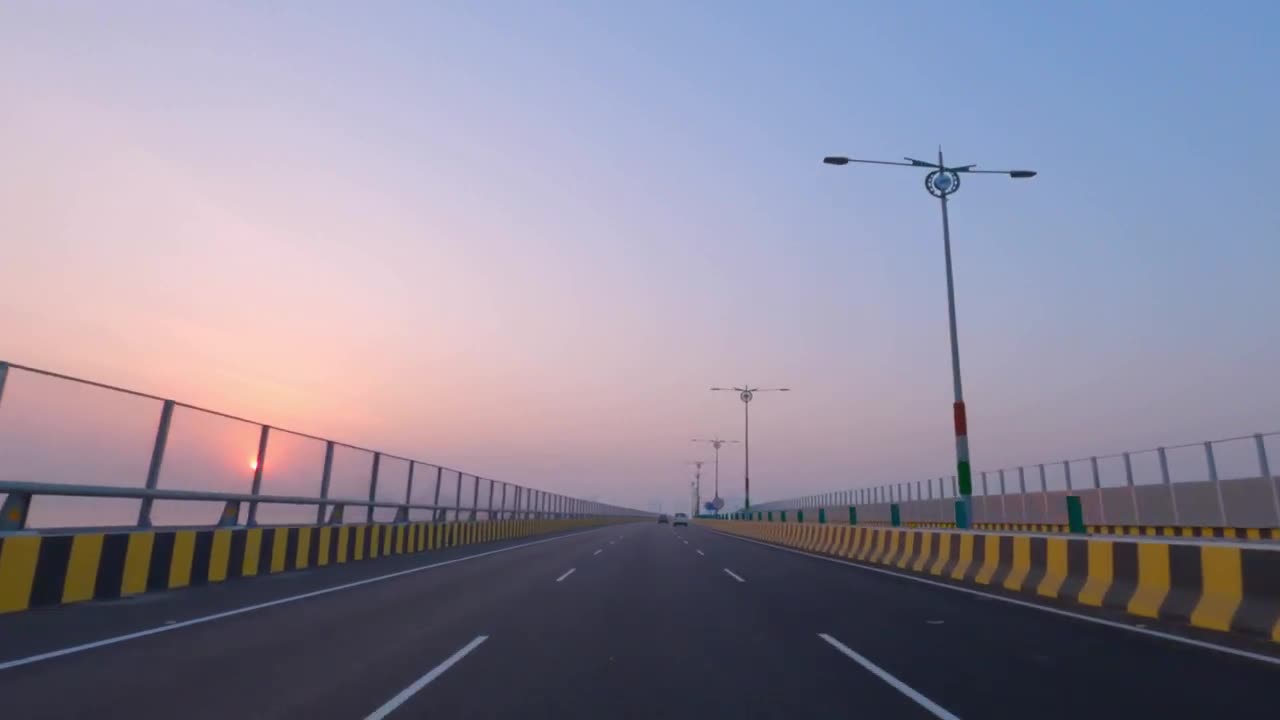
(822, 515)
(965, 477)
(853, 515)
(895, 515)
(799, 516)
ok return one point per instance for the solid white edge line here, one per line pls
(701, 553)
(19, 662)
(598, 551)
(924, 702)
(389, 706)
(734, 575)
(562, 577)
(1023, 603)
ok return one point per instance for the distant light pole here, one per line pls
(697, 485)
(716, 443)
(941, 182)
(746, 394)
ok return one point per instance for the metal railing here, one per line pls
(1226, 482)
(500, 500)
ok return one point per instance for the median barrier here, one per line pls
(1163, 531)
(1216, 586)
(45, 570)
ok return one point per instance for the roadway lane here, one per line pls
(637, 621)
(44, 629)
(980, 657)
(335, 655)
(651, 629)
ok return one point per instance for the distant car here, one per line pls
(681, 519)
(663, 519)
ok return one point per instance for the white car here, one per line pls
(680, 519)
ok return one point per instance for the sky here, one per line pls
(524, 239)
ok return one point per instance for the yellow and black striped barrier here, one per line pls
(1167, 531)
(44, 570)
(1216, 586)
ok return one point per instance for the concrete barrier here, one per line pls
(45, 570)
(1170, 531)
(1216, 586)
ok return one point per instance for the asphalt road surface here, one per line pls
(631, 621)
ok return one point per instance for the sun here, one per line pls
(253, 463)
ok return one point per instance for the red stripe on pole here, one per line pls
(962, 427)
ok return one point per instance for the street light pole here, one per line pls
(941, 182)
(716, 443)
(746, 394)
(697, 486)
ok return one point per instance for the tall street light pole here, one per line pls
(746, 394)
(716, 443)
(941, 182)
(697, 485)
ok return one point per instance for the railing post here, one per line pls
(157, 457)
(408, 491)
(435, 501)
(488, 515)
(1004, 511)
(325, 476)
(4, 376)
(373, 487)
(457, 500)
(1022, 491)
(1097, 488)
(502, 504)
(475, 496)
(1044, 492)
(1164, 478)
(1217, 483)
(14, 511)
(1264, 467)
(259, 467)
(1133, 489)
(986, 496)
(1066, 470)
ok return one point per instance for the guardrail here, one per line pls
(1225, 483)
(488, 499)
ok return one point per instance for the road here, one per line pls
(630, 621)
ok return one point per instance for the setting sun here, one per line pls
(253, 463)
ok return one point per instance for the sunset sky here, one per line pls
(524, 239)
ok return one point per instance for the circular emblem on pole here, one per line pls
(717, 503)
(746, 396)
(941, 183)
